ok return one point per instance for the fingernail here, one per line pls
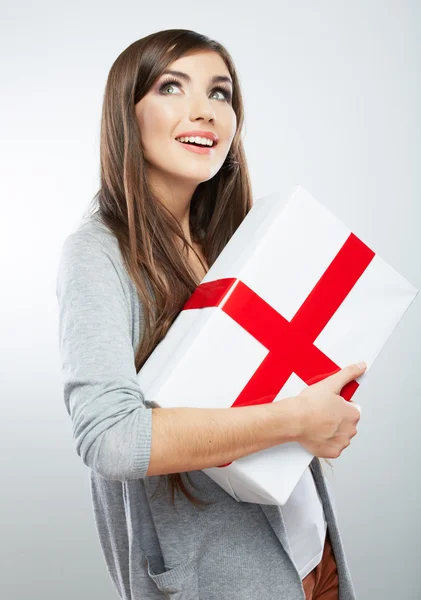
(361, 365)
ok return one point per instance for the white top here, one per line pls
(305, 523)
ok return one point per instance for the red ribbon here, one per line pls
(290, 343)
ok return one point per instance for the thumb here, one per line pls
(341, 378)
(356, 405)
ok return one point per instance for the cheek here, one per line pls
(230, 127)
(157, 120)
(231, 123)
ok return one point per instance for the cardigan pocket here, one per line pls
(179, 582)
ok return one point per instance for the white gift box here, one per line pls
(293, 297)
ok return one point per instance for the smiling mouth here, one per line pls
(197, 145)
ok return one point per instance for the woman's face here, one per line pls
(193, 104)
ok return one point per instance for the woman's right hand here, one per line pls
(326, 421)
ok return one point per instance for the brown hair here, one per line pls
(144, 227)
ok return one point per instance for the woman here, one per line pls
(165, 210)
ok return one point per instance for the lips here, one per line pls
(198, 149)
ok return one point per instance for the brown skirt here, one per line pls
(322, 583)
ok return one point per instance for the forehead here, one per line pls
(204, 62)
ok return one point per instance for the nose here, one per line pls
(201, 107)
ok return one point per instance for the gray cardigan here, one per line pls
(228, 550)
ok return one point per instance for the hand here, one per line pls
(326, 421)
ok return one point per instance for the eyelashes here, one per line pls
(220, 88)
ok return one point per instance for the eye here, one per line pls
(225, 91)
(170, 83)
(175, 83)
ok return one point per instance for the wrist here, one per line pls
(287, 419)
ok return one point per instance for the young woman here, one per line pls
(174, 188)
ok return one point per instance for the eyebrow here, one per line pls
(215, 78)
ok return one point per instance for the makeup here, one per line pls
(197, 149)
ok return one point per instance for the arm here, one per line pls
(186, 439)
(116, 433)
(111, 423)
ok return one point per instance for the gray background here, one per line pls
(331, 90)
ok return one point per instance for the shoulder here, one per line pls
(90, 242)
(92, 233)
(91, 252)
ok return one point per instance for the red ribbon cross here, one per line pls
(290, 343)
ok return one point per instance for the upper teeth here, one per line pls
(197, 140)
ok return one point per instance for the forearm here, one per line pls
(187, 439)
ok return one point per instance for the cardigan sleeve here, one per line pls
(111, 421)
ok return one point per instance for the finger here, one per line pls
(344, 376)
(356, 405)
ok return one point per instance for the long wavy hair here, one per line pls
(144, 227)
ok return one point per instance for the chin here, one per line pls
(197, 175)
